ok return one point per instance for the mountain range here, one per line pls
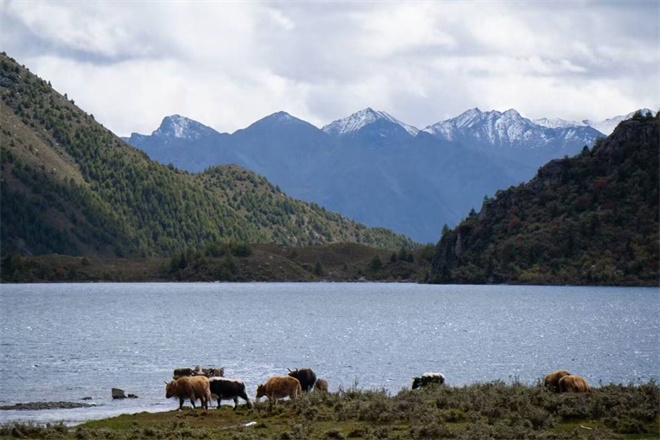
(376, 169)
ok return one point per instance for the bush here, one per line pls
(376, 264)
(241, 250)
(333, 434)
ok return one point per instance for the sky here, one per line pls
(228, 64)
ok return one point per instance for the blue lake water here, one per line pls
(62, 342)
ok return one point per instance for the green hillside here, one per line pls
(70, 186)
(590, 219)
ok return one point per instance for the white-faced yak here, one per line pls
(427, 379)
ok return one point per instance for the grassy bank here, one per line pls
(483, 411)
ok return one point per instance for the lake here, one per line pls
(63, 342)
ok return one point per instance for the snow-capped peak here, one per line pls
(493, 125)
(177, 126)
(556, 123)
(466, 118)
(606, 127)
(358, 120)
(282, 117)
(512, 114)
(510, 130)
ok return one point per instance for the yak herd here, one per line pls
(196, 384)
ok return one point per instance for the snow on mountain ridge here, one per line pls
(606, 126)
(495, 126)
(282, 117)
(180, 127)
(556, 123)
(361, 119)
(492, 126)
(467, 118)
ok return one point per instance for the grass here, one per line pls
(493, 410)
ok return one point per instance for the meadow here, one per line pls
(493, 410)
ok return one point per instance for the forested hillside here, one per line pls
(70, 186)
(590, 219)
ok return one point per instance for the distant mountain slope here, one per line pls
(376, 169)
(183, 142)
(606, 127)
(71, 186)
(361, 119)
(511, 135)
(591, 219)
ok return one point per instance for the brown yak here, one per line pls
(277, 387)
(575, 383)
(193, 388)
(321, 385)
(551, 381)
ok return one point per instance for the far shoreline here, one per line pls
(264, 263)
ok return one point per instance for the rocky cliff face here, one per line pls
(590, 219)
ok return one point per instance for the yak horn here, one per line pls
(289, 370)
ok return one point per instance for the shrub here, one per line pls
(333, 434)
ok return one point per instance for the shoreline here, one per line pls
(265, 264)
(162, 281)
(494, 409)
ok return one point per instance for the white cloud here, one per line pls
(404, 27)
(228, 64)
(95, 28)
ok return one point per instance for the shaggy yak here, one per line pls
(182, 372)
(229, 389)
(306, 377)
(198, 371)
(279, 386)
(551, 381)
(427, 379)
(193, 388)
(573, 383)
(321, 385)
(208, 372)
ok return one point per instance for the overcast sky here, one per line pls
(227, 64)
